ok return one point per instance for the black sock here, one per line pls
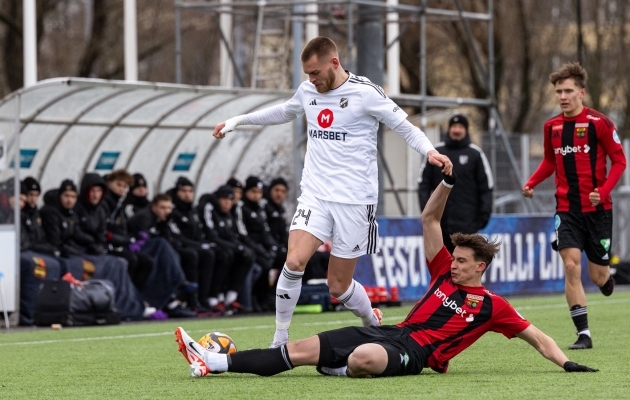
(265, 362)
(579, 317)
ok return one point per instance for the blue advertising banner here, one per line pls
(26, 158)
(183, 162)
(107, 160)
(526, 264)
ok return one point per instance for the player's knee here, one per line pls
(364, 361)
(572, 270)
(295, 263)
(337, 288)
(360, 364)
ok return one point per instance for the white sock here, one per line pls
(357, 301)
(213, 301)
(215, 361)
(221, 297)
(586, 332)
(230, 297)
(287, 294)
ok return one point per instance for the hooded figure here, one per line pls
(61, 223)
(469, 206)
(92, 212)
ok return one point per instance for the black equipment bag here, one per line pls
(92, 303)
(315, 294)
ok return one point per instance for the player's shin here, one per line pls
(356, 300)
(265, 362)
(287, 294)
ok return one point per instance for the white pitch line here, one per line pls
(270, 326)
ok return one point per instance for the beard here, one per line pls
(328, 82)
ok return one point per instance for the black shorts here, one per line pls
(405, 357)
(590, 232)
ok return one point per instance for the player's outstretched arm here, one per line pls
(431, 216)
(550, 350)
(274, 115)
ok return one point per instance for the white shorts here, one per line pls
(353, 228)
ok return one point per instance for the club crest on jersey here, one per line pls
(473, 300)
(463, 159)
(343, 103)
(580, 132)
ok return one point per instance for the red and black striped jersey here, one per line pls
(451, 317)
(575, 149)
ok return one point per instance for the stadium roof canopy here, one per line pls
(70, 126)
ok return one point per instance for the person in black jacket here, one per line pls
(156, 221)
(91, 213)
(276, 213)
(37, 256)
(32, 235)
(136, 199)
(469, 207)
(120, 242)
(237, 189)
(219, 225)
(60, 222)
(252, 219)
(188, 225)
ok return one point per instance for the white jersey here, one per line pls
(340, 163)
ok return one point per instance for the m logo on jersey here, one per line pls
(343, 103)
(325, 118)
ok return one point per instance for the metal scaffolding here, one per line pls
(329, 11)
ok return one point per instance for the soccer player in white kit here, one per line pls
(340, 178)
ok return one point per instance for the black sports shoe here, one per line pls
(583, 342)
(608, 287)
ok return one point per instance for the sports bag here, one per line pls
(315, 294)
(91, 302)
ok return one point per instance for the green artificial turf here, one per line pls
(140, 361)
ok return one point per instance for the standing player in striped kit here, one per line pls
(577, 143)
(340, 177)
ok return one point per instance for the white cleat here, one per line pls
(275, 345)
(341, 371)
(192, 352)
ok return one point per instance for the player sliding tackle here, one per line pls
(455, 312)
(340, 177)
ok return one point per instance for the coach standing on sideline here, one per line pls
(576, 145)
(468, 209)
(340, 177)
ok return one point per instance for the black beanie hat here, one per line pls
(67, 185)
(31, 184)
(234, 183)
(458, 119)
(252, 182)
(224, 192)
(278, 181)
(183, 181)
(138, 180)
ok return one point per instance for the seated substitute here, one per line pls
(455, 312)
